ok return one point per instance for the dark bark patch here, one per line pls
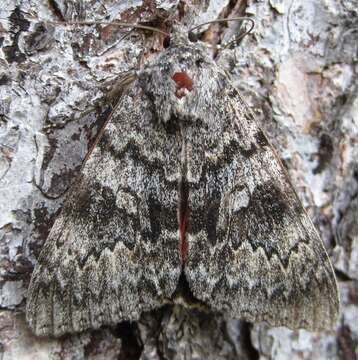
(18, 21)
(345, 343)
(129, 333)
(18, 25)
(39, 39)
(13, 53)
(325, 153)
(4, 79)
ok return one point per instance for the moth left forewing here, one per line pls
(112, 252)
(265, 261)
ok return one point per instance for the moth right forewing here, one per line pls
(253, 251)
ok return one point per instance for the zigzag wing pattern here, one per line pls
(253, 251)
(113, 251)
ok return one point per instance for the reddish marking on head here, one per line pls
(182, 81)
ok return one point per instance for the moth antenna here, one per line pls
(116, 23)
(237, 38)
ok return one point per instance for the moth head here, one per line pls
(183, 80)
(180, 79)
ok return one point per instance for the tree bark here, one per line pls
(298, 70)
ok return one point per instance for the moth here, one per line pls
(183, 190)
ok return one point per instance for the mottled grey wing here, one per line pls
(113, 251)
(253, 251)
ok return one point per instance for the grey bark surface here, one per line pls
(298, 71)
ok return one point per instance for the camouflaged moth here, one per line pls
(183, 186)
